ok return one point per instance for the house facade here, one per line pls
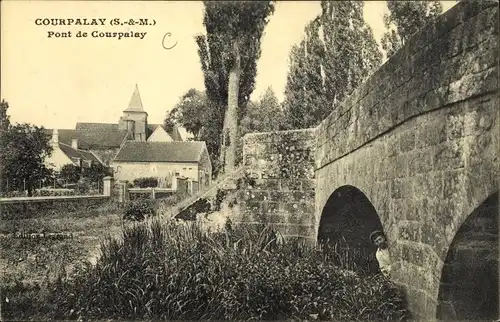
(165, 161)
(63, 154)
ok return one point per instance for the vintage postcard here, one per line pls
(249, 160)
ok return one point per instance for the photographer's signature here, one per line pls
(167, 42)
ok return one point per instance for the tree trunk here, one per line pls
(231, 118)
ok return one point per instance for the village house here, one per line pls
(133, 148)
(63, 154)
(165, 161)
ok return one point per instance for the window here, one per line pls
(190, 169)
(177, 173)
(183, 168)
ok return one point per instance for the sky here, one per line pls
(58, 81)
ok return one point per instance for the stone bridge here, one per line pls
(414, 151)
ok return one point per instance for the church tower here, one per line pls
(135, 118)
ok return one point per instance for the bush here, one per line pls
(139, 209)
(169, 272)
(53, 192)
(83, 187)
(149, 182)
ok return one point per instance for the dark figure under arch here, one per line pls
(347, 220)
(469, 279)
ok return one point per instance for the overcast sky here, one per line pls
(56, 82)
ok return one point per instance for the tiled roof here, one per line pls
(174, 134)
(135, 104)
(74, 153)
(99, 135)
(133, 151)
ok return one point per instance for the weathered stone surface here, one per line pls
(419, 138)
(283, 193)
(422, 143)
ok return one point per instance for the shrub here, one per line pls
(83, 186)
(139, 209)
(169, 272)
(53, 192)
(150, 182)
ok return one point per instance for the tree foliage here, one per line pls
(228, 53)
(404, 19)
(305, 92)
(337, 54)
(25, 150)
(266, 115)
(190, 112)
(96, 172)
(201, 118)
(71, 173)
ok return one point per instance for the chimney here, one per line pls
(55, 136)
(74, 143)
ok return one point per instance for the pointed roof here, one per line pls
(135, 104)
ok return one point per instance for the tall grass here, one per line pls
(179, 272)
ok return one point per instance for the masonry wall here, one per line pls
(279, 185)
(420, 138)
(128, 171)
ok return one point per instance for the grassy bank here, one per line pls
(28, 266)
(178, 272)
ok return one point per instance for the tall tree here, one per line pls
(229, 52)
(404, 19)
(336, 55)
(351, 52)
(25, 151)
(201, 118)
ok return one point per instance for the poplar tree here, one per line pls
(404, 19)
(337, 54)
(228, 53)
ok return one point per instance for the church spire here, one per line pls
(135, 104)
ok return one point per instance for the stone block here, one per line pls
(267, 184)
(435, 237)
(290, 184)
(430, 134)
(256, 195)
(406, 141)
(417, 301)
(472, 85)
(409, 230)
(420, 161)
(253, 205)
(455, 184)
(449, 155)
(270, 207)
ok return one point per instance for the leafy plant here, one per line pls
(139, 209)
(149, 182)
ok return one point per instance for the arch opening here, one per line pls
(347, 220)
(469, 279)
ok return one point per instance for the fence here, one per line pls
(123, 192)
(27, 207)
(150, 193)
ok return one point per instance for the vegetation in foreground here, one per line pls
(178, 272)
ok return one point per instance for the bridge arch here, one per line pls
(347, 220)
(469, 278)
